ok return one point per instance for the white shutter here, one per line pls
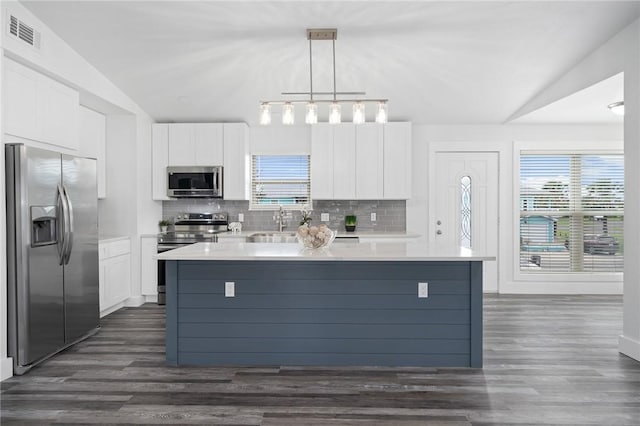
(571, 213)
(280, 180)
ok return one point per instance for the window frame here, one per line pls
(272, 207)
(547, 148)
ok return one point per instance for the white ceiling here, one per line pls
(437, 62)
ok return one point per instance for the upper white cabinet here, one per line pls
(333, 156)
(202, 144)
(369, 161)
(160, 160)
(397, 161)
(237, 162)
(93, 132)
(199, 144)
(361, 162)
(39, 108)
(344, 159)
(321, 161)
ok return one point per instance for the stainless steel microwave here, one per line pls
(194, 182)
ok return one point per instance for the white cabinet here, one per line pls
(115, 274)
(333, 156)
(160, 160)
(321, 162)
(199, 144)
(237, 162)
(369, 161)
(344, 160)
(149, 266)
(39, 108)
(93, 132)
(347, 161)
(397, 161)
(203, 144)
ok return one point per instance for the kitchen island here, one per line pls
(369, 304)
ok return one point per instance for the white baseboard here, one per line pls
(151, 298)
(629, 347)
(135, 301)
(6, 368)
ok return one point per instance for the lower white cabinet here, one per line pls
(149, 267)
(115, 274)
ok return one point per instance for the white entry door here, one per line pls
(464, 196)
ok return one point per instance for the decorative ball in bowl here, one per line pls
(315, 236)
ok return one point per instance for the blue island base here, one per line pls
(324, 313)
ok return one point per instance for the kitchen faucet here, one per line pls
(280, 219)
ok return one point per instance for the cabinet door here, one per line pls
(59, 108)
(160, 160)
(93, 143)
(181, 145)
(344, 160)
(208, 144)
(322, 161)
(236, 178)
(397, 161)
(369, 161)
(117, 277)
(148, 266)
(21, 101)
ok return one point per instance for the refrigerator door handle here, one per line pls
(63, 224)
(69, 233)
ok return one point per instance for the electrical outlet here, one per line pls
(240, 217)
(374, 216)
(423, 290)
(229, 289)
(324, 217)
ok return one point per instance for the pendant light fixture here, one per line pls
(617, 108)
(333, 103)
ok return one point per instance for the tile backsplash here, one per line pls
(390, 214)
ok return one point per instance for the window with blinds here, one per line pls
(571, 213)
(280, 180)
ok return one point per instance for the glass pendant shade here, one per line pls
(381, 114)
(616, 108)
(335, 114)
(288, 114)
(265, 114)
(311, 117)
(358, 113)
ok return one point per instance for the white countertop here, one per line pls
(392, 251)
(364, 234)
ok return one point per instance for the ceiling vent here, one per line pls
(23, 32)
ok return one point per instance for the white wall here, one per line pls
(505, 140)
(130, 169)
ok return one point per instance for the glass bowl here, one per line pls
(315, 237)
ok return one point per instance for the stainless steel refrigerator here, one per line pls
(52, 252)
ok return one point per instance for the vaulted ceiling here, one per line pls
(437, 62)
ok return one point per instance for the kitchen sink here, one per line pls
(272, 237)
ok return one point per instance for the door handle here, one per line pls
(438, 232)
(61, 224)
(69, 236)
(439, 222)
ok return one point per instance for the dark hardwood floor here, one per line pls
(548, 360)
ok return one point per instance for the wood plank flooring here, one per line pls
(548, 360)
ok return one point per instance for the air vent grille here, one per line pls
(13, 26)
(24, 32)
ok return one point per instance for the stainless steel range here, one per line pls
(188, 228)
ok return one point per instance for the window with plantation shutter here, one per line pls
(280, 180)
(571, 213)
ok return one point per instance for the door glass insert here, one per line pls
(465, 211)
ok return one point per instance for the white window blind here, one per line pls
(280, 180)
(571, 213)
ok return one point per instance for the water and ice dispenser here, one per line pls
(43, 225)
